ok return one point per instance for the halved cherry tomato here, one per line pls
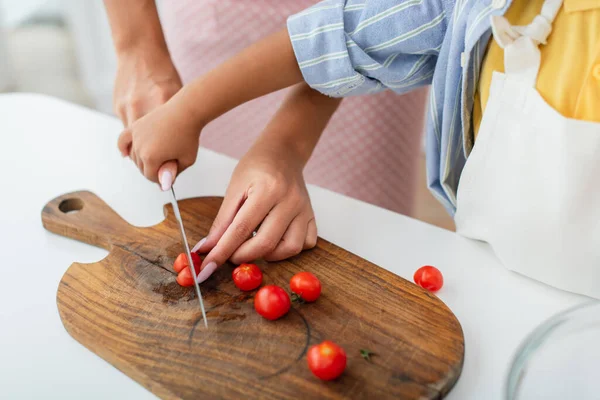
(181, 266)
(429, 278)
(184, 278)
(247, 277)
(306, 285)
(272, 302)
(327, 360)
(181, 262)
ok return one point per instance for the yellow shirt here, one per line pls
(569, 77)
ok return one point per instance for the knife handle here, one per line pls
(83, 216)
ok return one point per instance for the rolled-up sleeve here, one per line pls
(347, 48)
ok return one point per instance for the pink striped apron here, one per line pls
(370, 148)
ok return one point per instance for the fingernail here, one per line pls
(166, 180)
(206, 272)
(198, 245)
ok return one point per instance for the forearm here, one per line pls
(267, 66)
(300, 121)
(135, 24)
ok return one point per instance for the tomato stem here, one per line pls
(366, 354)
(297, 299)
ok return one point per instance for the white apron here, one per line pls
(531, 185)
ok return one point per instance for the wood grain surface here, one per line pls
(128, 309)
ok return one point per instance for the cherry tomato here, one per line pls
(429, 278)
(327, 360)
(272, 302)
(184, 278)
(181, 266)
(306, 285)
(247, 277)
(181, 262)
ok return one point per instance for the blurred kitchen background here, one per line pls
(63, 48)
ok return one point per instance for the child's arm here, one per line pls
(267, 66)
(171, 132)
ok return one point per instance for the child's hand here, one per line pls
(165, 134)
(267, 188)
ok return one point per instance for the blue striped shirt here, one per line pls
(355, 47)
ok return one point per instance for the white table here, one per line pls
(49, 147)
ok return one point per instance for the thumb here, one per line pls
(124, 142)
(166, 174)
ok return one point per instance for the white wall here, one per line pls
(88, 22)
(15, 12)
(5, 64)
(88, 25)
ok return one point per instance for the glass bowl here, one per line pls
(560, 359)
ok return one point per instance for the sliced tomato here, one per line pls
(181, 262)
(181, 266)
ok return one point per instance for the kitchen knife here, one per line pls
(188, 253)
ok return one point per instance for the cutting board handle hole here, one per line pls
(69, 206)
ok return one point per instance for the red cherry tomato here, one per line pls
(429, 278)
(181, 262)
(181, 266)
(247, 277)
(184, 278)
(272, 302)
(327, 360)
(306, 285)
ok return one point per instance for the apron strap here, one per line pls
(521, 43)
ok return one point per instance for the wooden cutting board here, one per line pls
(128, 309)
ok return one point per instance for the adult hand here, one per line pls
(145, 80)
(267, 189)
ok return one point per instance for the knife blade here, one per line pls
(188, 253)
